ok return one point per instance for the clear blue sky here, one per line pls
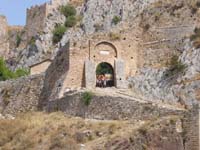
(15, 10)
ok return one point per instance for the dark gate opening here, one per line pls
(104, 75)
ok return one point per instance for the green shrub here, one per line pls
(21, 72)
(87, 97)
(176, 67)
(32, 41)
(6, 73)
(70, 21)
(116, 20)
(18, 40)
(58, 33)
(68, 10)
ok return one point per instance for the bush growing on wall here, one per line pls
(6, 73)
(176, 67)
(87, 98)
(116, 20)
(21, 72)
(32, 41)
(68, 10)
(70, 21)
(18, 40)
(58, 33)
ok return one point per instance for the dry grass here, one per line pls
(114, 36)
(55, 131)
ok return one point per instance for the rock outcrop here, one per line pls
(152, 84)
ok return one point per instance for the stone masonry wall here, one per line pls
(107, 107)
(191, 124)
(54, 77)
(36, 16)
(4, 44)
(14, 33)
(20, 95)
(35, 20)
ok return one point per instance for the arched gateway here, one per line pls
(106, 54)
(104, 75)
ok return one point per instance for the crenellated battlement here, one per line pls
(4, 44)
(36, 16)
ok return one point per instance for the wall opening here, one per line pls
(104, 75)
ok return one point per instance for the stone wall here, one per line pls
(122, 49)
(40, 68)
(21, 95)
(108, 107)
(191, 124)
(36, 16)
(16, 33)
(35, 20)
(54, 77)
(4, 43)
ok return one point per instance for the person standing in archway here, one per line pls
(104, 81)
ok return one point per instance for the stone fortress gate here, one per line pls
(104, 52)
(85, 56)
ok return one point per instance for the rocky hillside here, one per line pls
(95, 16)
(153, 84)
(59, 132)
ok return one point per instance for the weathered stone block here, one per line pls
(90, 79)
(120, 74)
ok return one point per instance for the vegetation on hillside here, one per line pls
(18, 40)
(116, 20)
(176, 67)
(6, 73)
(87, 98)
(58, 33)
(55, 131)
(70, 21)
(69, 12)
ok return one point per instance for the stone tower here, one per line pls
(4, 44)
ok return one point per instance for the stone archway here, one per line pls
(111, 45)
(106, 71)
(105, 52)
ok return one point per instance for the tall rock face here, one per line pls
(97, 16)
(152, 84)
